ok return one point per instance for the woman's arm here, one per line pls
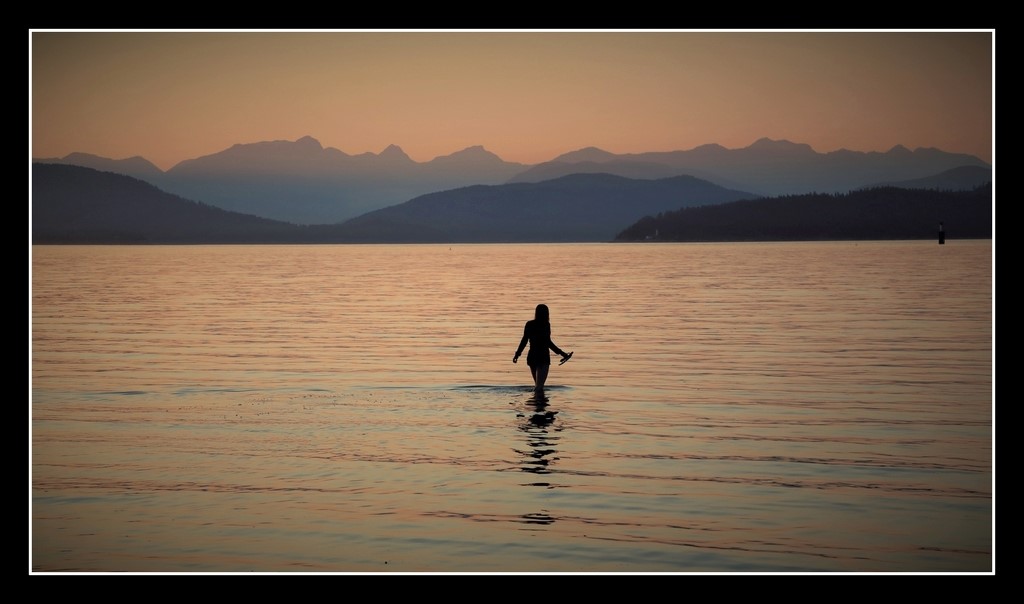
(555, 348)
(522, 343)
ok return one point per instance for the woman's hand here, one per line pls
(515, 358)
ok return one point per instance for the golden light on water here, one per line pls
(214, 408)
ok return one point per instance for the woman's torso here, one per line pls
(539, 334)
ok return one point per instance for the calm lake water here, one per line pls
(740, 408)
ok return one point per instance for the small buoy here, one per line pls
(942, 235)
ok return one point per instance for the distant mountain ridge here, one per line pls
(74, 204)
(303, 182)
(578, 207)
(766, 167)
(306, 183)
(136, 167)
(875, 213)
(963, 178)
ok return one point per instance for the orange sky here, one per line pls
(526, 96)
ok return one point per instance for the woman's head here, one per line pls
(541, 314)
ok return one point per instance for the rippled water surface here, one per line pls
(771, 407)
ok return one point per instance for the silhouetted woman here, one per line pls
(538, 334)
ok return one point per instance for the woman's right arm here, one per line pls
(522, 342)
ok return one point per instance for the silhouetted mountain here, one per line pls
(628, 169)
(879, 213)
(137, 167)
(586, 154)
(768, 167)
(963, 178)
(305, 183)
(781, 148)
(74, 204)
(393, 154)
(476, 157)
(578, 207)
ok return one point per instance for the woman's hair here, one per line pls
(541, 314)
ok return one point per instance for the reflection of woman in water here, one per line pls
(538, 334)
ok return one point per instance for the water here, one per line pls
(743, 408)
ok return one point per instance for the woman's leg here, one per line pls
(540, 376)
(533, 372)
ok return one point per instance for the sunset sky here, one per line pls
(526, 96)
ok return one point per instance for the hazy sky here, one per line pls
(526, 96)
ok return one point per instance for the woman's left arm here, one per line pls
(556, 348)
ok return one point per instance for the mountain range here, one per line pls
(576, 207)
(872, 213)
(303, 182)
(956, 179)
(767, 167)
(74, 204)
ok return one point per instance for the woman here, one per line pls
(538, 334)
